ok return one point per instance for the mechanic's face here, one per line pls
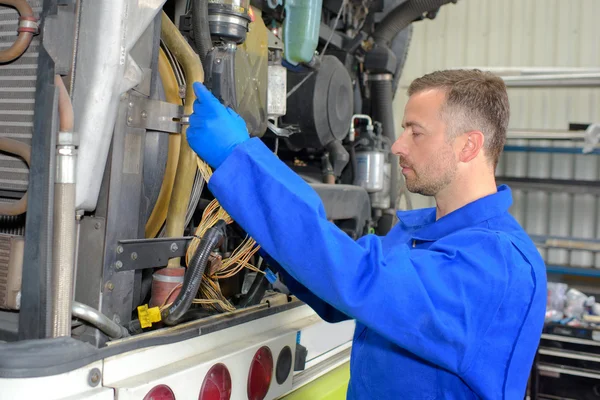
(427, 158)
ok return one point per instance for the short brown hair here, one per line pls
(475, 100)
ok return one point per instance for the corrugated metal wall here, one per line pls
(532, 33)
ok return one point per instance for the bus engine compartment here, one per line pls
(107, 228)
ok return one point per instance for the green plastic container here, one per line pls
(301, 30)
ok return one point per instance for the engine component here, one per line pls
(301, 30)
(63, 256)
(19, 83)
(23, 150)
(28, 26)
(370, 170)
(191, 283)
(381, 200)
(99, 320)
(404, 15)
(347, 203)
(166, 285)
(277, 86)
(323, 104)
(228, 19)
(11, 271)
(238, 76)
(186, 164)
(220, 74)
(201, 28)
(276, 96)
(252, 73)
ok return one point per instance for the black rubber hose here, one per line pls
(383, 112)
(402, 16)
(202, 38)
(195, 271)
(257, 289)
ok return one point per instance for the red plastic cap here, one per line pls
(217, 384)
(160, 392)
(261, 372)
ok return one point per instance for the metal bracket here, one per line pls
(155, 115)
(149, 253)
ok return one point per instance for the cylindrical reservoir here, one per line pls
(228, 19)
(166, 285)
(370, 170)
(301, 30)
(381, 200)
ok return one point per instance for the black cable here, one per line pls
(193, 277)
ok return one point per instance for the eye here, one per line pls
(416, 133)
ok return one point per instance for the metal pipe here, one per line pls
(554, 80)
(28, 26)
(64, 218)
(24, 151)
(541, 134)
(186, 166)
(99, 320)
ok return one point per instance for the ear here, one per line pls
(473, 145)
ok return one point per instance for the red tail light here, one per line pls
(160, 392)
(261, 371)
(217, 384)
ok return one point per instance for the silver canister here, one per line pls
(370, 170)
(277, 91)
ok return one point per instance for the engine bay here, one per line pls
(120, 234)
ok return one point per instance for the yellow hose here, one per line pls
(159, 213)
(186, 165)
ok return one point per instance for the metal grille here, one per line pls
(17, 98)
(4, 262)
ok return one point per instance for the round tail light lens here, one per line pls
(160, 392)
(217, 384)
(261, 372)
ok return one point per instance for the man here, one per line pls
(450, 304)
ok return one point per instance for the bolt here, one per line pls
(110, 285)
(97, 225)
(144, 114)
(134, 256)
(94, 377)
(129, 120)
(117, 319)
(118, 265)
(119, 249)
(174, 247)
(131, 104)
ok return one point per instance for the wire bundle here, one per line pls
(210, 290)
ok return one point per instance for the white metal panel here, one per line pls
(68, 386)
(533, 33)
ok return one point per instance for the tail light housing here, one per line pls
(160, 392)
(217, 384)
(261, 373)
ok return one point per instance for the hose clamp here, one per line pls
(28, 24)
(184, 120)
(380, 77)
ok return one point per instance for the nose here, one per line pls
(399, 146)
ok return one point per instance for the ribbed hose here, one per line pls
(402, 16)
(64, 230)
(63, 258)
(201, 29)
(193, 277)
(383, 112)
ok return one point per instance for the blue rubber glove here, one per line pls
(214, 130)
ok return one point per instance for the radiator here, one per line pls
(17, 98)
(11, 270)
